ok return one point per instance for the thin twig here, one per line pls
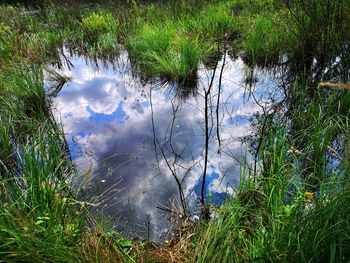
(218, 102)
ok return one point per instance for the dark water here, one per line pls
(130, 138)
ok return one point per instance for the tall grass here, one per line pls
(35, 174)
(179, 63)
(162, 50)
(215, 22)
(264, 41)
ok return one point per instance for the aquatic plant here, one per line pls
(167, 51)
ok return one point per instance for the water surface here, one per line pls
(130, 138)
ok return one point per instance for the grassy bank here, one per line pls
(297, 209)
(293, 207)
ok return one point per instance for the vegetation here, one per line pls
(296, 210)
(293, 205)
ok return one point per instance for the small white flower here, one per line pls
(195, 218)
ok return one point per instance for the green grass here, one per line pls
(99, 23)
(164, 51)
(173, 48)
(152, 39)
(214, 22)
(34, 174)
(263, 41)
(179, 62)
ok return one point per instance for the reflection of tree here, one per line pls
(218, 102)
(170, 154)
(207, 100)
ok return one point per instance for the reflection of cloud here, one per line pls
(109, 115)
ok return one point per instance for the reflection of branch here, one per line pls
(218, 102)
(166, 209)
(173, 173)
(207, 97)
(153, 129)
(174, 166)
(189, 170)
(174, 110)
(261, 134)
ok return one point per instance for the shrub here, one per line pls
(98, 23)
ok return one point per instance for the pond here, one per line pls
(140, 147)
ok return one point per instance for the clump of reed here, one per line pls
(163, 51)
(179, 63)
